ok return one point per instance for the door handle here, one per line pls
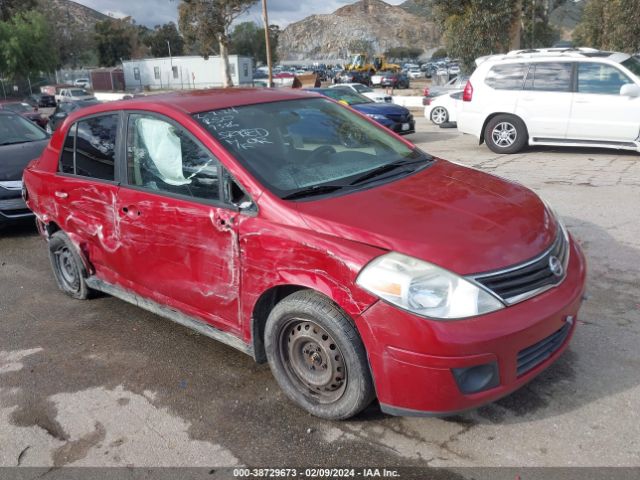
(62, 195)
(131, 211)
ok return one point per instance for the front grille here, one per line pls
(12, 204)
(402, 118)
(523, 281)
(532, 356)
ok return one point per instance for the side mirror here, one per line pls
(630, 90)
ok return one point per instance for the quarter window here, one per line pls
(506, 77)
(600, 78)
(96, 147)
(549, 77)
(164, 157)
(67, 158)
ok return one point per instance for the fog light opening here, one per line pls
(477, 378)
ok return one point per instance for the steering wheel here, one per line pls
(319, 152)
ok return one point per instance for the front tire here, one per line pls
(506, 134)
(68, 269)
(317, 356)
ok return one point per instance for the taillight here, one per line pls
(467, 95)
(426, 101)
(425, 91)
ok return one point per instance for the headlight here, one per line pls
(425, 289)
(376, 116)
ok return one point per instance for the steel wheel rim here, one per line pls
(439, 115)
(313, 361)
(67, 269)
(504, 134)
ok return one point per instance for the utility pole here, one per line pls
(267, 42)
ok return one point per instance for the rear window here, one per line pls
(550, 77)
(506, 77)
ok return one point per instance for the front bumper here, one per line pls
(12, 206)
(412, 358)
(401, 128)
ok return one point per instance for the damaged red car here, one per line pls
(304, 234)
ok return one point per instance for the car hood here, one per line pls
(16, 157)
(380, 109)
(458, 218)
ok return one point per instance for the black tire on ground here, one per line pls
(68, 269)
(506, 133)
(317, 357)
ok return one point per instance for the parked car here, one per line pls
(452, 85)
(26, 110)
(356, 264)
(73, 95)
(443, 109)
(20, 142)
(368, 92)
(354, 77)
(454, 70)
(82, 83)
(395, 80)
(63, 110)
(415, 73)
(578, 98)
(392, 116)
(41, 100)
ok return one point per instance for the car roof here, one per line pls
(551, 54)
(196, 101)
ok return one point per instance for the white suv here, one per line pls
(562, 97)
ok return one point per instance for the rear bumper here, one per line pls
(412, 358)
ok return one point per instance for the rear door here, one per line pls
(599, 111)
(178, 238)
(545, 103)
(86, 187)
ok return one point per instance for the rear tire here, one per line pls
(68, 268)
(505, 134)
(317, 356)
(439, 115)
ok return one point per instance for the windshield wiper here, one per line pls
(389, 167)
(312, 190)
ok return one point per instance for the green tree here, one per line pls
(404, 53)
(537, 32)
(473, 28)
(9, 8)
(207, 22)
(25, 46)
(439, 53)
(157, 39)
(116, 39)
(610, 25)
(248, 39)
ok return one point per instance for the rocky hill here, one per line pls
(365, 25)
(71, 15)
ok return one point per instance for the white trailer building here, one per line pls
(184, 73)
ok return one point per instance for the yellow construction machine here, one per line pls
(361, 62)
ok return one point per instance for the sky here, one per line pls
(156, 12)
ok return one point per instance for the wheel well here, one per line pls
(261, 310)
(488, 119)
(51, 228)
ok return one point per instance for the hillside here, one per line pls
(371, 23)
(71, 15)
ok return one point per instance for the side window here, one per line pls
(163, 157)
(549, 77)
(600, 78)
(506, 77)
(66, 159)
(96, 147)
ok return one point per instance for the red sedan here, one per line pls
(306, 235)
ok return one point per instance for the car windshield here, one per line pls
(78, 92)
(16, 129)
(312, 146)
(345, 95)
(18, 107)
(632, 64)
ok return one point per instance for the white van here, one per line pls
(561, 97)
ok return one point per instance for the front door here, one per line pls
(599, 111)
(179, 244)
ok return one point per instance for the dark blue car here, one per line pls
(394, 117)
